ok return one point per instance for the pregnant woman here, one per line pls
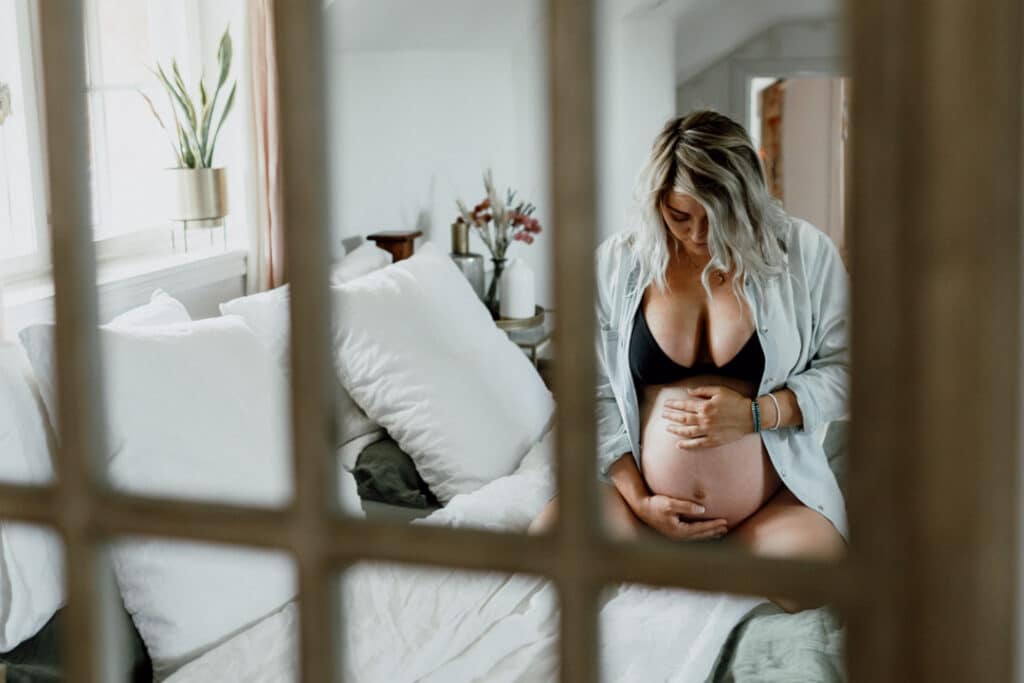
(722, 347)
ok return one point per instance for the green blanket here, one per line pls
(771, 646)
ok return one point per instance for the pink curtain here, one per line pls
(269, 270)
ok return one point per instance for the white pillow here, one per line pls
(162, 309)
(365, 258)
(419, 352)
(31, 574)
(267, 314)
(196, 410)
(31, 557)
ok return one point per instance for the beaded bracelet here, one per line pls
(756, 411)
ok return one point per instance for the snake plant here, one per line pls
(195, 137)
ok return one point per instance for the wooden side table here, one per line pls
(400, 243)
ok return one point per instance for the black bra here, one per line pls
(651, 366)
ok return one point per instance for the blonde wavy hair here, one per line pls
(709, 156)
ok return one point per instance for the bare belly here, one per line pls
(731, 481)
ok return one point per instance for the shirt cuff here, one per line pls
(610, 452)
(808, 407)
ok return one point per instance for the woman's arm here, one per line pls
(626, 479)
(664, 514)
(821, 391)
(789, 409)
(717, 415)
(612, 438)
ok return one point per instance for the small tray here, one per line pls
(521, 323)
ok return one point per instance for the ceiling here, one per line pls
(706, 30)
(430, 24)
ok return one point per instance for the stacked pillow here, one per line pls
(419, 352)
(195, 410)
(267, 314)
(31, 576)
(31, 559)
(198, 410)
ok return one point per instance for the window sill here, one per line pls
(137, 276)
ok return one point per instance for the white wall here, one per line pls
(635, 96)
(413, 130)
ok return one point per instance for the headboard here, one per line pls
(400, 243)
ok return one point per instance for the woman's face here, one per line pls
(687, 222)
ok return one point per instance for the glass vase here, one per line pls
(492, 300)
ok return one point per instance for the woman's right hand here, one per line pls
(664, 515)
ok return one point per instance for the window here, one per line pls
(128, 147)
(22, 201)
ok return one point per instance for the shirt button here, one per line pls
(764, 330)
(821, 507)
(782, 473)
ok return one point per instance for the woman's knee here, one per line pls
(618, 518)
(545, 519)
(800, 534)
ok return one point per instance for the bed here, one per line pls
(409, 624)
(503, 628)
(403, 623)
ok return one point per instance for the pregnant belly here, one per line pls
(731, 481)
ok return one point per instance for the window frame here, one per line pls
(149, 240)
(30, 64)
(901, 440)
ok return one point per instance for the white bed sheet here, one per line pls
(427, 624)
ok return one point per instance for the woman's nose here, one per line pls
(700, 232)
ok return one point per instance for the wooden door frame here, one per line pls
(929, 589)
(935, 251)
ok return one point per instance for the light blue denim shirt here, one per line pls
(802, 320)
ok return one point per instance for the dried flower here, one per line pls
(498, 222)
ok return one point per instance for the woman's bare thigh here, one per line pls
(785, 527)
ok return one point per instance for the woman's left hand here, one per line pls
(712, 416)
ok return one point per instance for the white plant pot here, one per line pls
(197, 193)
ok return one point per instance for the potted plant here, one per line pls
(499, 223)
(198, 190)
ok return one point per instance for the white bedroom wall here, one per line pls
(415, 131)
(414, 128)
(416, 122)
(636, 96)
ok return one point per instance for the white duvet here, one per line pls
(411, 624)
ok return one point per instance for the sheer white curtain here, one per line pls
(266, 243)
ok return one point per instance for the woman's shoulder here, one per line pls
(805, 242)
(613, 248)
